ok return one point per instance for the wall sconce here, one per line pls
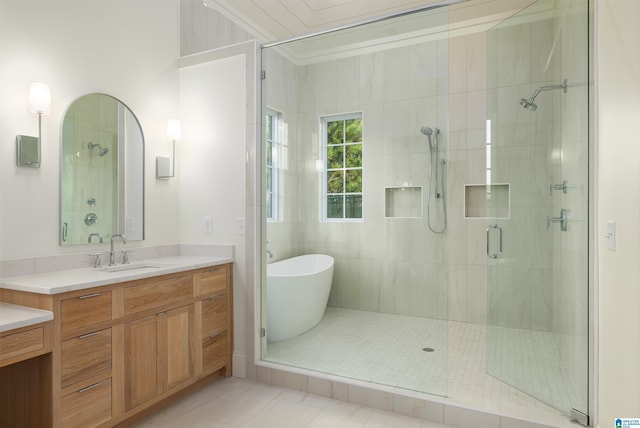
(28, 148)
(174, 133)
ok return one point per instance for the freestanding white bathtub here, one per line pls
(297, 293)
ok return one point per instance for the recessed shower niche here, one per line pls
(403, 202)
(482, 201)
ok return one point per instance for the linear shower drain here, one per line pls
(428, 349)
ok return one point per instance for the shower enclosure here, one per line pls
(463, 248)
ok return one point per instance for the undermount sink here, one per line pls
(132, 266)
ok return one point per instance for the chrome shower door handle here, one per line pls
(499, 253)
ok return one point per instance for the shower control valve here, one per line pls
(564, 186)
(563, 220)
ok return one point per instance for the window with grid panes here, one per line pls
(342, 178)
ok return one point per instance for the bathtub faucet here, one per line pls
(269, 253)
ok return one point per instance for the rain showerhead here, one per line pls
(528, 104)
(101, 150)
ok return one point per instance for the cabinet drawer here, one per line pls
(157, 292)
(214, 315)
(214, 280)
(214, 352)
(87, 407)
(21, 343)
(85, 310)
(85, 356)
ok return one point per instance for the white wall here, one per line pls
(123, 48)
(618, 182)
(212, 168)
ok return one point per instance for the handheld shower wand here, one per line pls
(428, 132)
(436, 181)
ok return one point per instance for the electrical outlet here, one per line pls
(208, 225)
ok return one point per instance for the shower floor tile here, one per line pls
(388, 349)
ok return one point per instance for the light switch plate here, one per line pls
(611, 235)
(207, 226)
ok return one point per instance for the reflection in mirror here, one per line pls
(102, 171)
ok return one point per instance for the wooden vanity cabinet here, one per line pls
(124, 350)
(216, 306)
(25, 377)
(159, 355)
(21, 344)
(86, 358)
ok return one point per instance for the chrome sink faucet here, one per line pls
(112, 253)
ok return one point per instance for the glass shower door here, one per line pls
(538, 204)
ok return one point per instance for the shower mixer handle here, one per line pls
(563, 220)
(564, 186)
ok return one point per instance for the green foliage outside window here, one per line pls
(344, 168)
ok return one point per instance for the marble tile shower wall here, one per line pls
(282, 97)
(389, 265)
(397, 265)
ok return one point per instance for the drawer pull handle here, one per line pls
(220, 296)
(215, 270)
(88, 296)
(88, 387)
(216, 335)
(88, 335)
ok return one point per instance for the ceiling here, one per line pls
(274, 20)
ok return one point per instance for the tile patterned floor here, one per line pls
(241, 403)
(388, 349)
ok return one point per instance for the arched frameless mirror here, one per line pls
(102, 171)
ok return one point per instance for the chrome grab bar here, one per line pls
(499, 253)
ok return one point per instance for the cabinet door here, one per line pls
(178, 346)
(141, 361)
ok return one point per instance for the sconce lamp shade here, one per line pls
(174, 132)
(39, 98)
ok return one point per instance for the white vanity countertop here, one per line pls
(78, 279)
(14, 316)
